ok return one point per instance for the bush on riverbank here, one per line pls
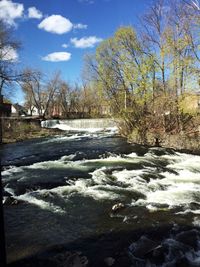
(15, 130)
(190, 142)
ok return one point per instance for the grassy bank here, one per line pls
(15, 130)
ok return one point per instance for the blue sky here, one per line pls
(55, 34)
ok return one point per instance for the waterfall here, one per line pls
(81, 124)
(49, 123)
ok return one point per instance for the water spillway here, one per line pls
(49, 123)
(81, 124)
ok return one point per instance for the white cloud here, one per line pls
(56, 24)
(34, 13)
(65, 45)
(9, 11)
(85, 41)
(80, 26)
(8, 53)
(57, 56)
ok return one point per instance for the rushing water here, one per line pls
(66, 186)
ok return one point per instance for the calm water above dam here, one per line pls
(67, 185)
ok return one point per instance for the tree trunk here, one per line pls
(153, 87)
(163, 78)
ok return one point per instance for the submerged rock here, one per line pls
(189, 238)
(70, 259)
(109, 261)
(176, 250)
(142, 247)
(10, 201)
(118, 207)
(48, 194)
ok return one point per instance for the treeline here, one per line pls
(146, 76)
(54, 97)
(147, 73)
(45, 95)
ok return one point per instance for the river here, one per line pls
(65, 186)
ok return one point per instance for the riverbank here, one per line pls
(21, 129)
(16, 130)
(183, 142)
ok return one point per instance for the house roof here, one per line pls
(20, 109)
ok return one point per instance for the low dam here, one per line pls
(81, 124)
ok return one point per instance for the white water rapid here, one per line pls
(62, 189)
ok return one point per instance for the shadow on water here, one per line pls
(114, 242)
(116, 245)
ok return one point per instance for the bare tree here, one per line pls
(40, 92)
(155, 23)
(8, 57)
(32, 86)
(50, 90)
(195, 4)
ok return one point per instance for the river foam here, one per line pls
(114, 176)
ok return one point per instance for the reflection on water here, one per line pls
(65, 188)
